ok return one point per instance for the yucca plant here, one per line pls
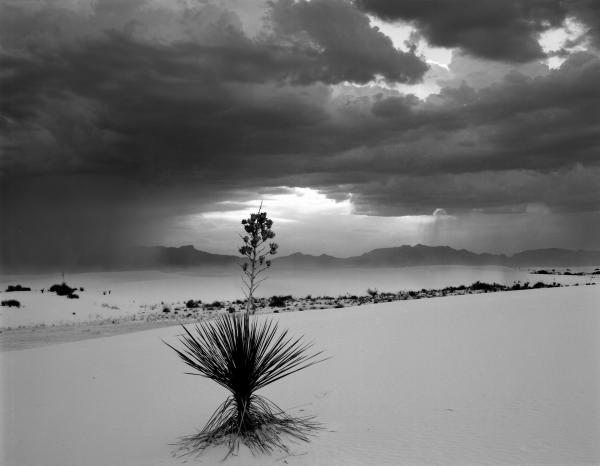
(243, 354)
(255, 251)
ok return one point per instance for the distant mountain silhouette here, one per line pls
(161, 257)
(443, 255)
(426, 255)
(299, 260)
(183, 256)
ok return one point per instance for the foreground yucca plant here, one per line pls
(244, 354)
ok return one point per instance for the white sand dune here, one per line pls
(503, 378)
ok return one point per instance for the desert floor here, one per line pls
(502, 378)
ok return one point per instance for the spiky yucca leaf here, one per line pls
(244, 354)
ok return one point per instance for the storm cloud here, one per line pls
(506, 30)
(118, 118)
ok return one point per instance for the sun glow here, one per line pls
(291, 206)
(313, 223)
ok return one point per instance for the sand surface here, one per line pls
(503, 378)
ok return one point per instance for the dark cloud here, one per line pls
(111, 129)
(520, 122)
(566, 190)
(588, 12)
(346, 46)
(495, 30)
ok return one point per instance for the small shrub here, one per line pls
(372, 292)
(482, 286)
(62, 290)
(11, 303)
(191, 304)
(17, 287)
(279, 301)
(540, 285)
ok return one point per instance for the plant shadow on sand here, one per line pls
(243, 354)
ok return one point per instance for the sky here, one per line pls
(358, 124)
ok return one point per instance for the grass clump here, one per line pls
(243, 355)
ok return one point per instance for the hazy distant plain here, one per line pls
(133, 291)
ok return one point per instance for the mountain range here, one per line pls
(161, 257)
(188, 256)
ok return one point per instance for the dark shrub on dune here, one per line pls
(279, 301)
(17, 287)
(191, 304)
(482, 286)
(244, 354)
(372, 292)
(62, 290)
(11, 303)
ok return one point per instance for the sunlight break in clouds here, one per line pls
(312, 223)
(295, 205)
(561, 42)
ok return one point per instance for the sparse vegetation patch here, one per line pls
(63, 290)
(11, 303)
(17, 287)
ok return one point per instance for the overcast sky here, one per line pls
(360, 124)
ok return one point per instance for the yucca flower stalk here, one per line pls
(255, 251)
(243, 354)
